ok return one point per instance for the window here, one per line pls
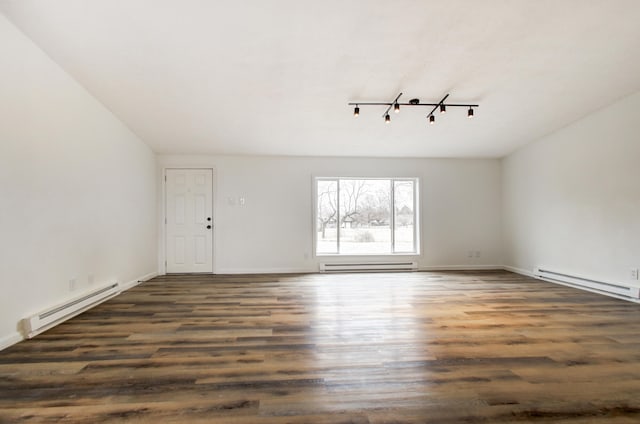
(366, 216)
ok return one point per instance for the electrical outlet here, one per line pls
(470, 254)
(72, 284)
(634, 274)
(477, 253)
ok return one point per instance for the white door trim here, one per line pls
(162, 204)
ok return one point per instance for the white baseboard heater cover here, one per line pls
(368, 266)
(42, 321)
(627, 291)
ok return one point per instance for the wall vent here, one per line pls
(368, 266)
(627, 291)
(44, 320)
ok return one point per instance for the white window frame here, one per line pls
(392, 181)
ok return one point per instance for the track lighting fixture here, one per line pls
(395, 104)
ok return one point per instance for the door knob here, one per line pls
(208, 227)
(209, 218)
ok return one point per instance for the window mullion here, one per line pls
(338, 215)
(392, 221)
(415, 216)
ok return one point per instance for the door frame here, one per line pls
(162, 222)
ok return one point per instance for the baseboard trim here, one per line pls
(520, 271)
(139, 280)
(10, 340)
(314, 270)
(461, 268)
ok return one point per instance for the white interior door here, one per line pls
(189, 220)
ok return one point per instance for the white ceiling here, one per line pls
(274, 76)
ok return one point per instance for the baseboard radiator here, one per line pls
(625, 291)
(44, 320)
(368, 266)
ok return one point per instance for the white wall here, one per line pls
(273, 231)
(77, 188)
(572, 199)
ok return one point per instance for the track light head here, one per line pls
(432, 119)
(396, 108)
(470, 113)
(387, 118)
(356, 111)
(443, 108)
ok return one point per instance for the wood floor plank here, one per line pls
(424, 347)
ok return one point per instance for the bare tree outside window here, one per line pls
(365, 216)
(327, 216)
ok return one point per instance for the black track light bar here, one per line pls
(414, 102)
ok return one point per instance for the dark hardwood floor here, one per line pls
(448, 347)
